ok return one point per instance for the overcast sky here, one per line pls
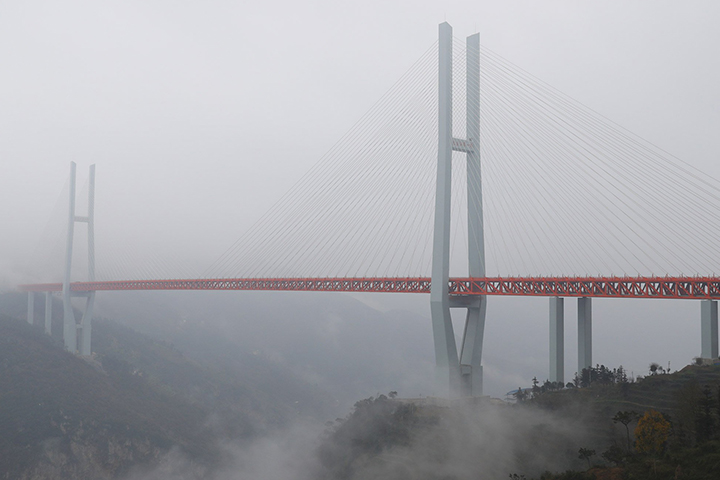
(199, 115)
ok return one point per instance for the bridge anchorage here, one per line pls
(458, 373)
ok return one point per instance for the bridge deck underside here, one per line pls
(611, 287)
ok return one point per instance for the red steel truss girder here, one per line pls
(611, 287)
(394, 285)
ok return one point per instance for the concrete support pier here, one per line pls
(48, 312)
(86, 326)
(584, 333)
(31, 307)
(709, 328)
(557, 340)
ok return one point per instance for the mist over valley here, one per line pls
(361, 240)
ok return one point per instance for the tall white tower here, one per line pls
(70, 326)
(459, 375)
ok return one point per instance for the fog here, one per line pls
(201, 115)
(286, 454)
(465, 442)
(352, 349)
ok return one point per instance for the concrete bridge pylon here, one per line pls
(72, 330)
(458, 375)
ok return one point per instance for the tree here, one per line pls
(654, 368)
(604, 375)
(705, 423)
(717, 403)
(687, 411)
(520, 395)
(586, 377)
(626, 418)
(614, 454)
(535, 387)
(620, 375)
(651, 433)
(586, 453)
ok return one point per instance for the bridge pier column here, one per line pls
(471, 370)
(86, 325)
(709, 329)
(584, 333)
(48, 312)
(69, 327)
(557, 340)
(31, 307)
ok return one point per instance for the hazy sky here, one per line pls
(200, 114)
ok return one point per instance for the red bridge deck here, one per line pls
(613, 287)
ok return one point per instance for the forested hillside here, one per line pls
(665, 426)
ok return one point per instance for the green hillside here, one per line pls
(677, 395)
(571, 430)
(687, 400)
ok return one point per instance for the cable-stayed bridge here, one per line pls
(469, 178)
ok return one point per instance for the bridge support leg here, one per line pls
(31, 308)
(709, 329)
(87, 316)
(86, 327)
(446, 357)
(69, 322)
(584, 334)
(69, 326)
(557, 340)
(48, 312)
(471, 370)
(471, 352)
